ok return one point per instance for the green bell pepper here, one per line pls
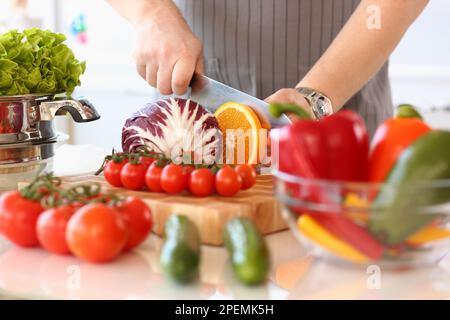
(398, 210)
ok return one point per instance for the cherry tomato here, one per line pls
(201, 182)
(18, 217)
(112, 172)
(153, 178)
(248, 175)
(139, 218)
(97, 233)
(187, 170)
(132, 176)
(228, 182)
(51, 228)
(173, 178)
(146, 161)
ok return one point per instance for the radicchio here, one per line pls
(174, 127)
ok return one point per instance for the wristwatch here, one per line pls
(320, 104)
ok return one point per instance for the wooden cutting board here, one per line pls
(209, 214)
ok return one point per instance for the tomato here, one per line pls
(173, 178)
(132, 176)
(187, 170)
(18, 217)
(51, 228)
(201, 182)
(153, 178)
(146, 161)
(97, 233)
(248, 175)
(228, 182)
(112, 172)
(139, 218)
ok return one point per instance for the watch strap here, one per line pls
(320, 104)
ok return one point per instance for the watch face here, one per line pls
(322, 106)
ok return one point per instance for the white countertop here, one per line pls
(35, 273)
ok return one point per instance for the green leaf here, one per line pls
(37, 61)
(7, 65)
(3, 51)
(32, 79)
(6, 80)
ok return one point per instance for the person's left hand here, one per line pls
(289, 95)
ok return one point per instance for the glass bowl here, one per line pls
(368, 223)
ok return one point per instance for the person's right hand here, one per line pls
(167, 53)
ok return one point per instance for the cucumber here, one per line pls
(248, 251)
(180, 252)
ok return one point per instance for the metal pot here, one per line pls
(29, 117)
(28, 136)
(24, 161)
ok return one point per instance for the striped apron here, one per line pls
(260, 46)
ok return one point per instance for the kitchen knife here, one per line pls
(212, 94)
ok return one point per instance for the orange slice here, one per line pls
(264, 122)
(240, 127)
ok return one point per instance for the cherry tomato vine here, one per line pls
(146, 168)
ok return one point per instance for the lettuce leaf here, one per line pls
(37, 61)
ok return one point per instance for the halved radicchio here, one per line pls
(174, 127)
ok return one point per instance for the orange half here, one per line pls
(240, 127)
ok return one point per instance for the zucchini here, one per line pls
(180, 252)
(399, 210)
(248, 251)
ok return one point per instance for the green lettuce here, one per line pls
(37, 61)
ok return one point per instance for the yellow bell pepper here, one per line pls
(314, 231)
(352, 200)
(428, 234)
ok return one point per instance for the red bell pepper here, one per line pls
(333, 148)
(390, 140)
(351, 233)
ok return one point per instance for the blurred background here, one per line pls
(419, 68)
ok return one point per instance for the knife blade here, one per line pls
(211, 94)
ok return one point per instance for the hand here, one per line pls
(167, 52)
(290, 95)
